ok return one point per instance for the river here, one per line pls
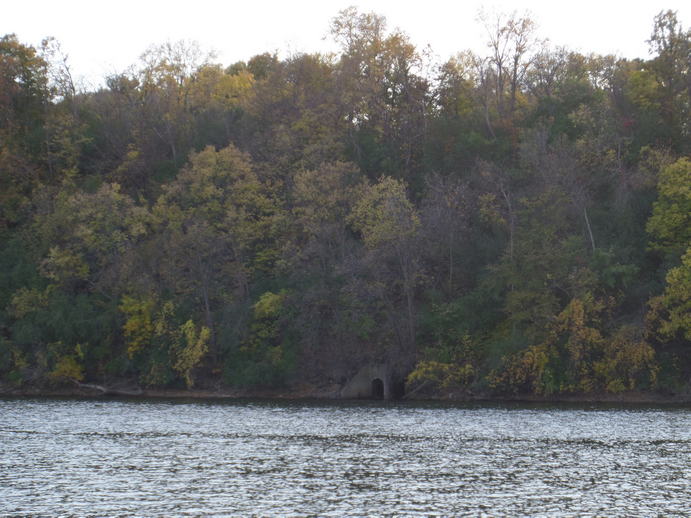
(70, 457)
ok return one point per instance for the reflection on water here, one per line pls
(153, 458)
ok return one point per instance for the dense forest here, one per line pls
(517, 222)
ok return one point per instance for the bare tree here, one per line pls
(511, 43)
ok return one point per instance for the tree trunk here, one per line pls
(590, 230)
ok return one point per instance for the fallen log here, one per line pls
(110, 390)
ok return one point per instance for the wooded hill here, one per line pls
(515, 222)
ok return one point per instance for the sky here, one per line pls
(104, 38)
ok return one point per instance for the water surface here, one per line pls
(165, 458)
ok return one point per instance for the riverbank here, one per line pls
(332, 392)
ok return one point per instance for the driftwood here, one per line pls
(416, 389)
(112, 390)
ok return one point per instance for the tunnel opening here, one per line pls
(397, 389)
(377, 388)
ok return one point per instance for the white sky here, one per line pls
(102, 38)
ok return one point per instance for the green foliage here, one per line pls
(265, 358)
(670, 223)
(611, 274)
(325, 196)
(669, 315)
(671, 311)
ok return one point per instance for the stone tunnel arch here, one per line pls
(374, 381)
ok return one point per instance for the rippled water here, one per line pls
(157, 458)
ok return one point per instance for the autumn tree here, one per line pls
(382, 93)
(24, 98)
(670, 223)
(670, 43)
(324, 247)
(389, 224)
(218, 226)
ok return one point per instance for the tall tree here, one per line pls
(383, 96)
(24, 100)
(671, 44)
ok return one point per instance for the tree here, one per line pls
(166, 80)
(389, 224)
(323, 198)
(672, 43)
(191, 346)
(88, 238)
(511, 40)
(217, 225)
(671, 311)
(669, 315)
(577, 356)
(460, 129)
(382, 96)
(24, 99)
(217, 101)
(265, 357)
(670, 223)
(323, 248)
(444, 217)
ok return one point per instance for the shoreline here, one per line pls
(329, 394)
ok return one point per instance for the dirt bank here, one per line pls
(331, 392)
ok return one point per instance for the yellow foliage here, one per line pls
(138, 328)
(522, 369)
(677, 299)
(627, 361)
(576, 323)
(443, 375)
(269, 305)
(384, 214)
(62, 265)
(191, 347)
(214, 89)
(25, 301)
(162, 321)
(576, 357)
(67, 368)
